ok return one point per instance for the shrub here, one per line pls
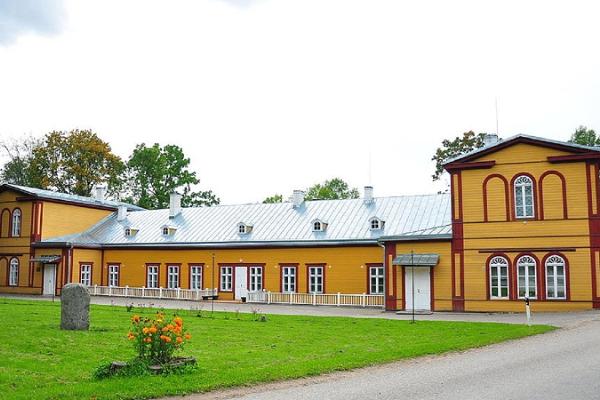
(156, 340)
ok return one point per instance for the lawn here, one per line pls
(39, 361)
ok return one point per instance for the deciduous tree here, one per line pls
(332, 189)
(454, 148)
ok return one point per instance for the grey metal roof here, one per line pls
(49, 194)
(531, 137)
(418, 217)
(417, 260)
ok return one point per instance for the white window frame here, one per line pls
(226, 280)
(114, 271)
(500, 265)
(376, 279)
(554, 262)
(172, 276)
(13, 272)
(256, 278)
(289, 279)
(375, 224)
(196, 272)
(318, 226)
(128, 232)
(16, 223)
(526, 262)
(152, 276)
(85, 274)
(165, 231)
(520, 185)
(316, 279)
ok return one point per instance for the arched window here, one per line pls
(498, 278)
(317, 226)
(526, 277)
(524, 202)
(556, 287)
(16, 223)
(13, 272)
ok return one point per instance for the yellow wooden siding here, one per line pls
(522, 153)
(496, 200)
(88, 256)
(64, 219)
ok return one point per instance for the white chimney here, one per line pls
(174, 205)
(100, 192)
(368, 194)
(490, 139)
(121, 213)
(297, 198)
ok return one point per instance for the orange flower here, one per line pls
(152, 329)
(178, 321)
(145, 330)
(188, 336)
(179, 340)
(147, 340)
(177, 329)
(130, 336)
(165, 329)
(165, 338)
(136, 319)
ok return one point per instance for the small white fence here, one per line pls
(333, 299)
(152, 293)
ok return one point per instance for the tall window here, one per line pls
(376, 280)
(152, 276)
(13, 273)
(556, 287)
(85, 274)
(524, 205)
(256, 279)
(16, 223)
(113, 275)
(288, 279)
(315, 279)
(526, 277)
(196, 277)
(172, 276)
(226, 279)
(498, 278)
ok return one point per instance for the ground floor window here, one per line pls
(152, 276)
(556, 287)
(376, 279)
(226, 279)
(172, 276)
(13, 273)
(526, 277)
(315, 279)
(196, 277)
(113, 275)
(85, 274)
(288, 279)
(498, 278)
(256, 279)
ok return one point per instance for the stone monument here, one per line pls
(75, 307)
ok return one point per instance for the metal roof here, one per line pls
(417, 260)
(72, 198)
(502, 142)
(418, 217)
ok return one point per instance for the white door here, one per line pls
(241, 282)
(49, 278)
(422, 288)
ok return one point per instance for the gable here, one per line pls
(522, 153)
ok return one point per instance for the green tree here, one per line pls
(17, 170)
(454, 148)
(74, 162)
(585, 136)
(153, 173)
(332, 189)
(276, 198)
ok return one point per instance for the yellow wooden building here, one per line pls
(522, 220)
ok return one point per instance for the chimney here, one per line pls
(121, 213)
(100, 192)
(174, 205)
(490, 139)
(297, 198)
(368, 194)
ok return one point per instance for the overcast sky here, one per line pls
(266, 96)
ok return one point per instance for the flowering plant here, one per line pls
(155, 340)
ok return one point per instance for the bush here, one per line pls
(156, 340)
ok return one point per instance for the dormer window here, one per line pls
(244, 229)
(376, 224)
(127, 232)
(168, 230)
(130, 232)
(165, 231)
(319, 226)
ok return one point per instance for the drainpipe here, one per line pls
(385, 283)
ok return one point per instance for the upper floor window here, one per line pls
(375, 224)
(244, 228)
(524, 202)
(527, 277)
(16, 223)
(13, 273)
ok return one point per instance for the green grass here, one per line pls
(39, 361)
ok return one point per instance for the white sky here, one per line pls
(269, 96)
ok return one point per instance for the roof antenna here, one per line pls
(496, 98)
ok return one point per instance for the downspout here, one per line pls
(385, 282)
